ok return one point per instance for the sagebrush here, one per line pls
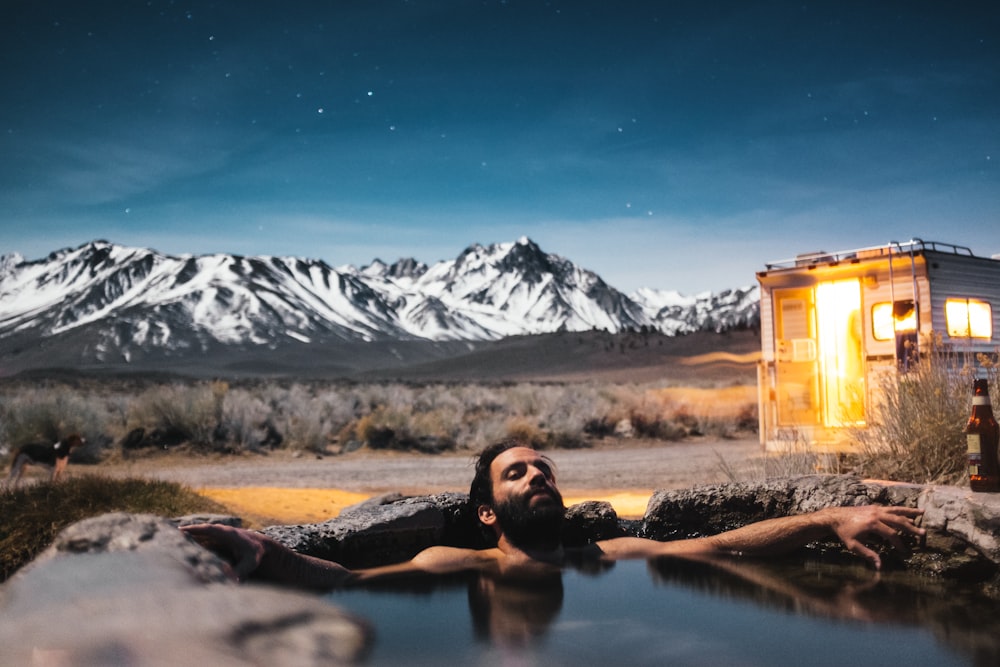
(916, 429)
(316, 416)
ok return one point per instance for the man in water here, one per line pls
(515, 497)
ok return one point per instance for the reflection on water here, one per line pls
(514, 613)
(681, 612)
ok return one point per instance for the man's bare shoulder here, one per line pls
(435, 560)
(452, 559)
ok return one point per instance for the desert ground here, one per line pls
(708, 372)
(286, 488)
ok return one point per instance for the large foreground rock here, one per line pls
(133, 590)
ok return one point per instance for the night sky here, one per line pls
(676, 145)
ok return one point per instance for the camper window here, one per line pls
(968, 318)
(888, 318)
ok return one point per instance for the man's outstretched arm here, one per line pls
(250, 553)
(852, 525)
(253, 554)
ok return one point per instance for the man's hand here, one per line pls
(243, 549)
(251, 553)
(853, 524)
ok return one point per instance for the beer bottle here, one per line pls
(981, 435)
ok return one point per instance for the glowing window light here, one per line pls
(968, 318)
(887, 321)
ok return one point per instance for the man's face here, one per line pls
(526, 501)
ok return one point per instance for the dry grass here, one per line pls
(31, 516)
(794, 458)
(916, 433)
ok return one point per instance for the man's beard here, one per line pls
(532, 527)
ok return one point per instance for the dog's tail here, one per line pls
(16, 469)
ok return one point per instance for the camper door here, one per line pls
(819, 355)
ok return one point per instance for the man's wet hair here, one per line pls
(481, 489)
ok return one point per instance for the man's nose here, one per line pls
(537, 476)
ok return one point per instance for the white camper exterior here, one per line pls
(831, 323)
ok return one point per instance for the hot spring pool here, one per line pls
(681, 613)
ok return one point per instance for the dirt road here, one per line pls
(605, 469)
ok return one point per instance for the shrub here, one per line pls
(566, 440)
(599, 427)
(50, 414)
(384, 428)
(303, 420)
(744, 422)
(527, 431)
(180, 412)
(255, 415)
(246, 424)
(915, 433)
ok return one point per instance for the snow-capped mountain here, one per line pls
(675, 313)
(127, 300)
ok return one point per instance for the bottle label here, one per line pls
(980, 400)
(972, 443)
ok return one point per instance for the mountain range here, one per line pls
(107, 304)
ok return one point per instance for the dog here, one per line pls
(54, 456)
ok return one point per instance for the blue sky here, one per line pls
(676, 145)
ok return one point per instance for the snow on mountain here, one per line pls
(674, 313)
(134, 299)
(8, 262)
(657, 299)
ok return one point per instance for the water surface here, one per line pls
(675, 612)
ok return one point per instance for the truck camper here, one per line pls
(833, 323)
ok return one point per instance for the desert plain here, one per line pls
(706, 374)
(290, 488)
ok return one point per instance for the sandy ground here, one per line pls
(284, 488)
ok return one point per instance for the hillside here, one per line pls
(697, 358)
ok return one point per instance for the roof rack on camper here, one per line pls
(891, 248)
